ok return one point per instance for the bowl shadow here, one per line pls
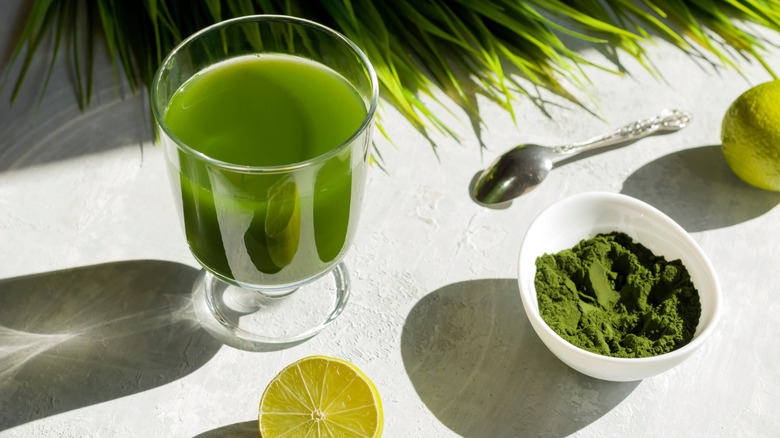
(82, 336)
(697, 189)
(475, 361)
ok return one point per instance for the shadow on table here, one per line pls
(696, 188)
(246, 429)
(62, 133)
(82, 336)
(38, 129)
(476, 363)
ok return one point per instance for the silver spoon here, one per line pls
(524, 167)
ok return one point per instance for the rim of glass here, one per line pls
(159, 116)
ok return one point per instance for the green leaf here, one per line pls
(55, 50)
(76, 64)
(419, 48)
(32, 44)
(38, 15)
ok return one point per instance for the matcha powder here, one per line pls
(614, 297)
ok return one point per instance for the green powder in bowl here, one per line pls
(614, 297)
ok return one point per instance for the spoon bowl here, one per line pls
(514, 173)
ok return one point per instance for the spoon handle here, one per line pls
(666, 120)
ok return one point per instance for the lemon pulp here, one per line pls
(321, 397)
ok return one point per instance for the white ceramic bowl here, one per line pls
(563, 224)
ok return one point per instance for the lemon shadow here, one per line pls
(697, 189)
(83, 336)
(246, 429)
(475, 361)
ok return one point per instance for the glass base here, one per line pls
(252, 320)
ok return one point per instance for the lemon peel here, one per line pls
(750, 136)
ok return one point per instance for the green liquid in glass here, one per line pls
(268, 110)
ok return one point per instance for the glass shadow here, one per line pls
(475, 361)
(82, 336)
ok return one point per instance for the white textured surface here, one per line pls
(435, 318)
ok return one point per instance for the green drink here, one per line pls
(265, 122)
(266, 110)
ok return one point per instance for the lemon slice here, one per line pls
(321, 397)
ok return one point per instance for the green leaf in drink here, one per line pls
(283, 223)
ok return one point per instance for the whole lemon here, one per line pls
(750, 136)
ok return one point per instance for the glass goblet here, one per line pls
(268, 191)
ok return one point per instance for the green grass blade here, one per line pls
(154, 18)
(57, 38)
(74, 11)
(32, 45)
(109, 30)
(37, 16)
(215, 9)
(90, 49)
